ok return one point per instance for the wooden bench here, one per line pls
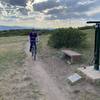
(72, 55)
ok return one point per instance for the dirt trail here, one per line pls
(44, 81)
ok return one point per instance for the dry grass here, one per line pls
(11, 52)
(15, 79)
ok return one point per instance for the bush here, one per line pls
(86, 27)
(69, 38)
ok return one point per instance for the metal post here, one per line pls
(97, 44)
(96, 49)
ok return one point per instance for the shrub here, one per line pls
(86, 27)
(68, 37)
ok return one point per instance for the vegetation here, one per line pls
(68, 37)
(89, 39)
(86, 27)
(11, 53)
(13, 33)
(15, 80)
(22, 32)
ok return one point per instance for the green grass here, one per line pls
(11, 52)
(43, 41)
(90, 36)
(88, 52)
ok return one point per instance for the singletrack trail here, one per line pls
(46, 84)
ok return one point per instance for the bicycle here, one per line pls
(34, 52)
(34, 48)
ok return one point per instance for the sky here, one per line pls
(48, 13)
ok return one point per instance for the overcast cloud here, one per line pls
(49, 10)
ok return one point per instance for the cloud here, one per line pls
(41, 11)
(93, 12)
(45, 5)
(18, 2)
(74, 9)
(83, 2)
(55, 10)
(38, 1)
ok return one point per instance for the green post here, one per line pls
(96, 49)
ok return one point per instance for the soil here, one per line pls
(45, 79)
(46, 84)
(59, 71)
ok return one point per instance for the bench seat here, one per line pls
(72, 55)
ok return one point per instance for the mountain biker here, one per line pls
(33, 39)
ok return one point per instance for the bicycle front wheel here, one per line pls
(34, 52)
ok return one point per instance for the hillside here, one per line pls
(2, 28)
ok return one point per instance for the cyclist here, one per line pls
(33, 39)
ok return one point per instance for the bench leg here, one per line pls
(72, 60)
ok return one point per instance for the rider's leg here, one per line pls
(31, 44)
